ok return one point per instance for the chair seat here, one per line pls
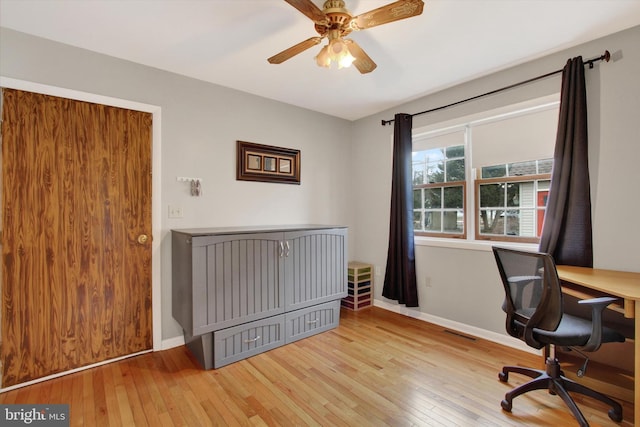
(574, 332)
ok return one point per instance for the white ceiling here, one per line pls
(227, 42)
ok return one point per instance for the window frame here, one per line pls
(477, 208)
(471, 237)
(462, 235)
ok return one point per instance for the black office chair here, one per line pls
(535, 315)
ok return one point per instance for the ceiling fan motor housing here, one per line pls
(338, 17)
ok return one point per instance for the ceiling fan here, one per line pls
(335, 22)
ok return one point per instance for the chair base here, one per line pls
(553, 380)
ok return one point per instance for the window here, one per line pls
(505, 157)
(512, 199)
(439, 185)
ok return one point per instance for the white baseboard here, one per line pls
(417, 314)
(172, 342)
(457, 326)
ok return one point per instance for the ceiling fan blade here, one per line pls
(309, 9)
(294, 50)
(363, 62)
(395, 11)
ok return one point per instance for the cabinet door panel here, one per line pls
(241, 280)
(315, 267)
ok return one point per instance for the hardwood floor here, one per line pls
(376, 368)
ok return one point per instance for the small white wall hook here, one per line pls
(195, 184)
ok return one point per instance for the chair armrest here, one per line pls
(597, 306)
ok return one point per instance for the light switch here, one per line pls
(175, 211)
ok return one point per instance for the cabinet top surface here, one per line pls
(254, 229)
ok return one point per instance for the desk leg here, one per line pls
(636, 373)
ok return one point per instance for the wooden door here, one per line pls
(76, 205)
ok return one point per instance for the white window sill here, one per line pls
(474, 245)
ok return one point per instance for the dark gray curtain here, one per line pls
(400, 276)
(566, 233)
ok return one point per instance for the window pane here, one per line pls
(417, 199)
(491, 195)
(418, 173)
(435, 172)
(417, 221)
(455, 170)
(513, 194)
(457, 151)
(544, 166)
(454, 222)
(494, 171)
(526, 197)
(432, 198)
(527, 223)
(522, 168)
(543, 194)
(418, 156)
(491, 221)
(453, 197)
(433, 221)
(512, 223)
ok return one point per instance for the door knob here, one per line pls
(142, 239)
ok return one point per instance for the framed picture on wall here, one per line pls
(266, 163)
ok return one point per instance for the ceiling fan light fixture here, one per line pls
(323, 59)
(346, 59)
(336, 51)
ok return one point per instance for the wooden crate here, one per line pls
(360, 286)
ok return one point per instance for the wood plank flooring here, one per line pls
(377, 368)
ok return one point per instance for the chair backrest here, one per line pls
(533, 296)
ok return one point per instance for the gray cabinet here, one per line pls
(239, 291)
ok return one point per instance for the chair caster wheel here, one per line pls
(506, 405)
(503, 376)
(615, 415)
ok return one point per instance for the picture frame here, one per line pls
(267, 163)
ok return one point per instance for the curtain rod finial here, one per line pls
(606, 56)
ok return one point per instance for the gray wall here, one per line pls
(201, 122)
(200, 125)
(459, 282)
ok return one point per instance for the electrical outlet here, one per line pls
(175, 211)
(376, 270)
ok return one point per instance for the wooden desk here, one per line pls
(625, 285)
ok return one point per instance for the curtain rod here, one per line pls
(606, 56)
